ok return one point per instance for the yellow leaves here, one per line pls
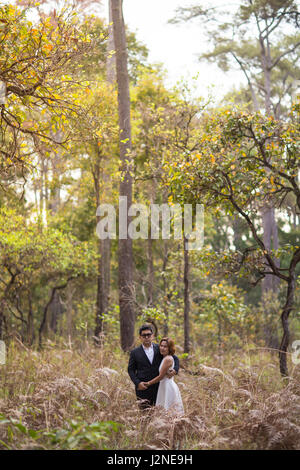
(47, 48)
(213, 160)
(34, 33)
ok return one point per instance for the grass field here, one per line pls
(62, 398)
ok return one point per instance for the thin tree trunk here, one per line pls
(1, 320)
(270, 284)
(125, 254)
(99, 299)
(69, 299)
(285, 325)
(100, 294)
(44, 319)
(111, 57)
(52, 204)
(186, 297)
(106, 243)
(105, 272)
(30, 325)
(150, 272)
(166, 294)
(150, 265)
(104, 246)
(290, 298)
(55, 312)
(54, 201)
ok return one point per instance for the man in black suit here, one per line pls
(143, 366)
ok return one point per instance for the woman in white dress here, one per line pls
(168, 395)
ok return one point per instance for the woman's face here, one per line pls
(164, 348)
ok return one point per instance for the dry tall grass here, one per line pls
(50, 400)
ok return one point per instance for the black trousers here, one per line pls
(147, 398)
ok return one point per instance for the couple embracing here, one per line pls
(152, 368)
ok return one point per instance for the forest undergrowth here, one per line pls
(65, 398)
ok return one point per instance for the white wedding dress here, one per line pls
(168, 395)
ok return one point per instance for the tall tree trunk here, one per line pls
(285, 322)
(100, 293)
(166, 294)
(186, 297)
(105, 272)
(125, 255)
(30, 325)
(270, 284)
(45, 189)
(104, 246)
(55, 312)
(44, 317)
(111, 57)
(150, 272)
(106, 243)
(69, 299)
(53, 203)
(1, 320)
(150, 265)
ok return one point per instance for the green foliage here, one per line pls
(34, 250)
(80, 435)
(243, 160)
(77, 435)
(153, 313)
(224, 317)
(36, 259)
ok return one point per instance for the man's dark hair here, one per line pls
(145, 327)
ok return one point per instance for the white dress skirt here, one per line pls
(168, 395)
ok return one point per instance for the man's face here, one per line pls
(146, 338)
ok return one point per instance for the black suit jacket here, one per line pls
(141, 370)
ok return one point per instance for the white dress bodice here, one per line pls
(168, 395)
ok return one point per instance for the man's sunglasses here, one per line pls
(146, 335)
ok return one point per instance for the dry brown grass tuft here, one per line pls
(242, 405)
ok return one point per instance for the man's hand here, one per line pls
(142, 386)
(171, 373)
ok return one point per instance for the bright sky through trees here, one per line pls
(177, 46)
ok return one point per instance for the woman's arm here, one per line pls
(165, 367)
